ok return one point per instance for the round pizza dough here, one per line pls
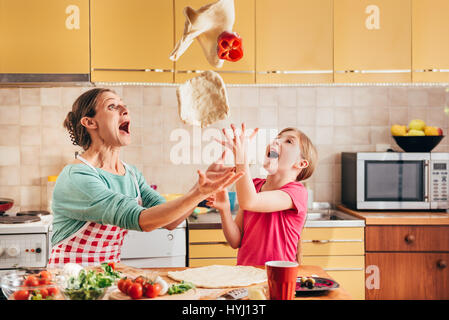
(220, 276)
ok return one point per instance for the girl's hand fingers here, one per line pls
(254, 133)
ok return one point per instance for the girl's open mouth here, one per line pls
(124, 127)
(273, 154)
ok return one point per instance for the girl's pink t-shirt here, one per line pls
(269, 236)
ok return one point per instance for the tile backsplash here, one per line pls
(34, 144)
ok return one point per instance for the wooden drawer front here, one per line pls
(208, 262)
(333, 248)
(351, 281)
(407, 238)
(216, 250)
(206, 235)
(407, 276)
(336, 263)
(333, 233)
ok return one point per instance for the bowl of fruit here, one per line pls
(417, 136)
(29, 285)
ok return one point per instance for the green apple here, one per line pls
(417, 124)
(414, 132)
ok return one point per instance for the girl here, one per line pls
(272, 211)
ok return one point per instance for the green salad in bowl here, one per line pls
(89, 284)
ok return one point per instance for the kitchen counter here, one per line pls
(398, 218)
(212, 220)
(337, 294)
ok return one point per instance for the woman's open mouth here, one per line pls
(124, 127)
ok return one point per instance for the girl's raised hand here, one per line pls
(238, 143)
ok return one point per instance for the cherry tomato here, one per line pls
(43, 292)
(140, 280)
(44, 274)
(31, 281)
(52, 291)
(128, 283)
(112, 265)
(120, 284)
(135, 291)
(21, 295)
(152, 290)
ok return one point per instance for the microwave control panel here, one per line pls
(439, 181)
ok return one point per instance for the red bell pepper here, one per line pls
(229, 46)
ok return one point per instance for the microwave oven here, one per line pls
(395, 180)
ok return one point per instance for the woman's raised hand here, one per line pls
(238, 143)
(217, 177)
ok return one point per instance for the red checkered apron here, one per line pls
(94, 243)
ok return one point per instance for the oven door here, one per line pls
(393, 182)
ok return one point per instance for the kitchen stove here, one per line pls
(24, 241)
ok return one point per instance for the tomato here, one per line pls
(120, 284)
(128, 283)
(31, 281)
(152, 290)
(52, 291)
(140, 280)
(21, 295)
(112, 265)
(43, 292)
(135, 291)
(43, 281)
(44, 274)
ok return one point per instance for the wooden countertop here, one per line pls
(399, 218)
(211, 294)
(337, 294)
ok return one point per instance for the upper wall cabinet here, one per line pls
(372, 40)
(294, 41)
(46, 40)
(430, 39)
(131, 40)
(194, 59)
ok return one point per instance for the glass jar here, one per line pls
(51, 181)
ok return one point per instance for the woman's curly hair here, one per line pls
(84, 106)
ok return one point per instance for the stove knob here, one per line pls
(13, 251)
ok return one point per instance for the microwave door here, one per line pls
(392, 184)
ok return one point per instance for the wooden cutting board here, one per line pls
(193, 294)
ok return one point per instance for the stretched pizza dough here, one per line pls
(205, 25)
(203, 100)
(220, 276)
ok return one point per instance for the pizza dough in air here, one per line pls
(218, 276)
(203, 100)
(205, 25)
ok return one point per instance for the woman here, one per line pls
(97, 198)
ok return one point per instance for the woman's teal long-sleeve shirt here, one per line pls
(82, 195)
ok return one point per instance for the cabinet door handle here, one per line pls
(320, 241)
(442, 264)
(410, 238)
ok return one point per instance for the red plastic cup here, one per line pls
(281, 279)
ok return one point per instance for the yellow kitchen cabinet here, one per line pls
(131, 40)
(430, 40)
(208, 247)
(194, 59)
(372, 41)
(294, 41)
(45, 40)
(340, 252)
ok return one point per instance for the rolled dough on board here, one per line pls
(221, 276)
(203, 100)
